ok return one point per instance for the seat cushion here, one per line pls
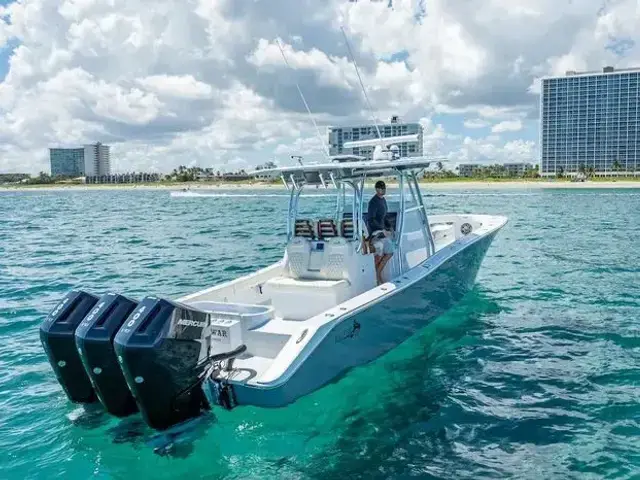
(295, 299)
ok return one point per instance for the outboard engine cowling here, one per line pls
(94, 340)
(158, 348)
(57, 334)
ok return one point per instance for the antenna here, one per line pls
(361, 84)
(324, 147)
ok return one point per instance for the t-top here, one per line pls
(376, 214)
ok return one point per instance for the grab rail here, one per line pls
(413, 209)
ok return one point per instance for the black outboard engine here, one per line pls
(94, 340)
(159, 348)
(58, 340)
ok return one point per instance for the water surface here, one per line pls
(535, 374)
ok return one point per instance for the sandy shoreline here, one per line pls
(258, 186)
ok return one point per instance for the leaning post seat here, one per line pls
(304, 228)
(327, 228)
(346, 226)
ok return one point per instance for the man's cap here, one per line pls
(380, 184)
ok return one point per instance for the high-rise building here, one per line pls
(590, 121)
(90, 160)
(338, 136)
(97, 160)
(68, 162)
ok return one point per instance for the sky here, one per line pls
(203, 83)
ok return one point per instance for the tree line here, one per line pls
(482, 171)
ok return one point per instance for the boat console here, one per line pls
(322, 269)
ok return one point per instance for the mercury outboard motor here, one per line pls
(94, 340)
(57, 334)
(159, 348)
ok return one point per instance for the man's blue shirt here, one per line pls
(376, 214)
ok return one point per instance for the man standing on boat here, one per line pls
(380, 228)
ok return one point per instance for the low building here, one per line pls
(517, 169)
(236, 176)
(124, 178)
(468, 169)
(497, 170)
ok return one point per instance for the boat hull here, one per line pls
(366, 335)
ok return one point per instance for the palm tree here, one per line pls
(617, 166)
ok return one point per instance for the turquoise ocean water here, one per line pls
(535, 374)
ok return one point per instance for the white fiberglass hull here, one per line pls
(365, 327)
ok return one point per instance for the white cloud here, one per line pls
(486, 112)
(491, 150)
(331, 70)
(517, 66)
(456, 149)
(434, 137)
(4, 28)
(184, 86)
(203, 80)
(507, 126)
(300, 146)
(475, 123)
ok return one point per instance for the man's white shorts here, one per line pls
(383, 246)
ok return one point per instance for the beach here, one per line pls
(437, 185)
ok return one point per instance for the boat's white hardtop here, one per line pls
(341, 169)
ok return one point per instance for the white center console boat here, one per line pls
(270, 337)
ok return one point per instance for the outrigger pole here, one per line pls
(366, 97)
(324, 146)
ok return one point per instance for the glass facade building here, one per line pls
(590, 122)
(90, 160)
(339, 135)
(67, 161)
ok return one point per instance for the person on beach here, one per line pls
(380, 229)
